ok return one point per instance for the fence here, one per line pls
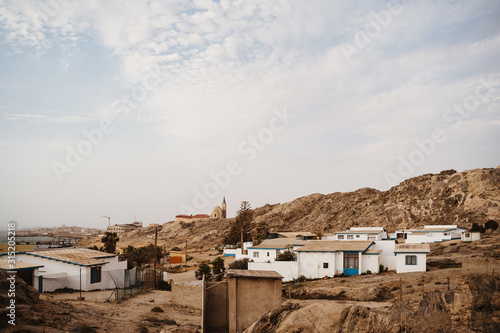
(187, 295)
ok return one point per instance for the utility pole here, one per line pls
(186, 261)
(155, 252)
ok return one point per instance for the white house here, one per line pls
(359, 233)
(235, 251)
(470, 236)
(411, 257)
(430, 234)
(318, 259)
(72, 268)
(25, 271)
(269, 249)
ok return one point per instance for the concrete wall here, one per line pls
(370, 262)
(387, 257)
(187, 295)
(215, 311)
(470, 236)
(402, 267)
(249, 299)
(263, 255)
(311, 264)
(288, 269)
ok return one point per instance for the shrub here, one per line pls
(164, 285)
(301, 278)
(203, 269)
(493, 225)
(218, 266)
(176, 248)
(477, 227)
(286, 256)
(156, 309)
(239, 264)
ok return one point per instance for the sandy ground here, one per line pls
(129, 315)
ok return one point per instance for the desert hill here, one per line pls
(449, 197)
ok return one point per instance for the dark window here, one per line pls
(357, 236)
(95, 274)
(411, 260)
(268, 254)
(350, 236)
(325, 265)
(341, 237)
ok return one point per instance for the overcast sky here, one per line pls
(149, 109)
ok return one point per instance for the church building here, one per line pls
(217, 213)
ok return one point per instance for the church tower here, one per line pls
(223, 215)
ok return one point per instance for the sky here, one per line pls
(142, 110)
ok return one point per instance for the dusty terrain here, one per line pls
(446, 198)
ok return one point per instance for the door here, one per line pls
(351, 264)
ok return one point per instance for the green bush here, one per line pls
(239, 264)
(493, 225)
(286, 256)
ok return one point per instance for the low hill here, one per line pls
(449, 197)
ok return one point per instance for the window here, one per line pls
(95, 274)
(411, 260)
(357, 236)
(268, 254)
(325, 265)
(351, 261)
(467, 235)
(350, 236)
(340, 237)
(255, 254)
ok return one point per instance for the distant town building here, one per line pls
(123, 228)
(217, 213)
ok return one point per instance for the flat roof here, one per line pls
(279, 243)
(73, 255)
(291, 234)
(335, 246)
(366, 231)
(412, 248)
(4, 265)
(253, 274)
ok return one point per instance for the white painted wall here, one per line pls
(288, 269)
(471, 236)
(311, 264)
(387, 257)
(403, 268)
(370, 262)
(264, 255)
(57, 274)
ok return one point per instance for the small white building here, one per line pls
(411, 257)
(318, 259)
(430, 234)
(269, 249)
(470, 236)
(72, 268)
(359, 233)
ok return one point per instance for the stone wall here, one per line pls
(187, 295)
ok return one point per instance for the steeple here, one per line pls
(223, 215)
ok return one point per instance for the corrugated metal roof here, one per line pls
(335, 246)
(253, 274)
(74, 255)
(278, 243)
(412, 248)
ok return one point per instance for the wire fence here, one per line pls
(122, 283)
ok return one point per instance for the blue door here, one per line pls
(351, 263)
(351, 271)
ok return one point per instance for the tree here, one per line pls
(137, 256)
(160, 252)
(97, 248)
(109, 240)
(241, 224)
(203, 269)
(477, 227)
(239, 264)
(287, 255)
(218, 266)
(319, 232)
(261, 233)
(491, 224)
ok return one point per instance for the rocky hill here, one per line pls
(449, 197)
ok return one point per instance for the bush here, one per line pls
(493, 225)
(156, 309)
(301, 278)
(218, 266)
(477, 227)
(203, 269)
(286, 256)
(239, 264)
(176, 248)
(164, 285)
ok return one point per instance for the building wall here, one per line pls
(387, 257)
(263, 254)
(187, 295)
(355, 236)
(471, 236)
(311, 264)
(215, 310)
(429, 237)
(288, 269)
(370, 262)
(403, 268)
(249, 299)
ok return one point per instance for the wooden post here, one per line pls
(355, 294)
(155, 254)
(400, 289)
(290, 293)
(448, 284)
(423, 281)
